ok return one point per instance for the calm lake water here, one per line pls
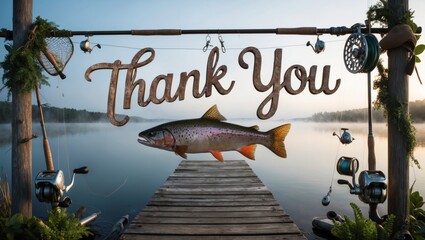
(125, 174)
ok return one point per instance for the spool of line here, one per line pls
(347, 166)
(372, 54)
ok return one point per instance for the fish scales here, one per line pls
(210, 134)
(201, 135)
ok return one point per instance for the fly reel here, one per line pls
(361, 52)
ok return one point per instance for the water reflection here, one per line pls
(125, 174)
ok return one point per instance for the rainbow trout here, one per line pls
(210, 134)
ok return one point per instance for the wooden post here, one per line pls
(398, 159)
(21, 121)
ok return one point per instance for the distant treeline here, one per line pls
(54, 114)
(416, 110)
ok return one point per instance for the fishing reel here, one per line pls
(85, 46)
(372, 186)
(346, 137)
(361, 51)
(319, 46)
(50, 186)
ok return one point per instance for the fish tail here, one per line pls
(278, 136)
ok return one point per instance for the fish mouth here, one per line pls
(145, 141)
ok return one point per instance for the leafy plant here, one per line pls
(21, 68)
(417, 215)
(59, 226)
(362, 228)
(382, 14)
(20, 227)
(62, 226)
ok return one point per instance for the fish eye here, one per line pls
(151, 134)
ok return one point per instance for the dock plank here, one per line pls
(213, 200)
(214, 229)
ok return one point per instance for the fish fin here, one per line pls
(217, 155)
(214, 114)
(278, 135)
(256, 127)
(181, 151)
(248, 151)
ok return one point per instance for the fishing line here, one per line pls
(65, 133)
(58, 155)
(337, 153)
(200, 49)
(339, 120)
(326, 199)
(109, 194)
(118, 188)
(87, 207)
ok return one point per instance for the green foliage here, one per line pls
(417, 215)
(59, 226)
(362, 228)
(21, 68)
(20, 227)
(394, 109)
(62, 226)
(382, 14)
(385, 230)
(418, 50)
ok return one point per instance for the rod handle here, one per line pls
(297, 31)
(157, 32)
(81, 170)
(48, 155)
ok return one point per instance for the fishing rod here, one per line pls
(175, 32)
(46, 146)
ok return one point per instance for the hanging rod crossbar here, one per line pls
(278, 31)
(174, 32)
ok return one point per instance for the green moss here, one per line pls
(394, 109)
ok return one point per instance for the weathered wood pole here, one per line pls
(21, 120)
(398, 157)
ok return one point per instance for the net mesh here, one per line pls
(58, 52)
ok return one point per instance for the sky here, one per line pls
(176, 54)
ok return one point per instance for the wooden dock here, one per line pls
(213, 200)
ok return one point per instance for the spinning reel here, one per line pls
(85, 46)
(50, 186)
(345, 138)
(361, 51)
(319, 46)
(372, 184)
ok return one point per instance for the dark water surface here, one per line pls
(125, 174)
